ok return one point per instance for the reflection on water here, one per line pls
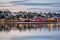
(42, 34)
(35, 32)
(29, 26)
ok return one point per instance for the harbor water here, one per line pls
(37, 34)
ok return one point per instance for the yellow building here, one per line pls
(51, 19)
(2, 22)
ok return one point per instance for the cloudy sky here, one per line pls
(31, 5)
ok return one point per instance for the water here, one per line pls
(43, 32)
(30, 35)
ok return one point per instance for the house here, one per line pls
(37, 19)
(51, 19)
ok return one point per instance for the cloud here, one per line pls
(11, 0)
(32, 4)
(28, 3)
(38, 1)
(7, 3)
(38, 4)
(19, 1)
(43, 5)
(44, 1)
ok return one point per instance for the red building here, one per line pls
(38, 19)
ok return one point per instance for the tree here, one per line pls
(50, 14)
(17, 16)
(13, 17)
(0, 13)
(38, 15)
(25, 16)
(30, 15)
(6, 14)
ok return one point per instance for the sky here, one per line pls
(31, 5)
